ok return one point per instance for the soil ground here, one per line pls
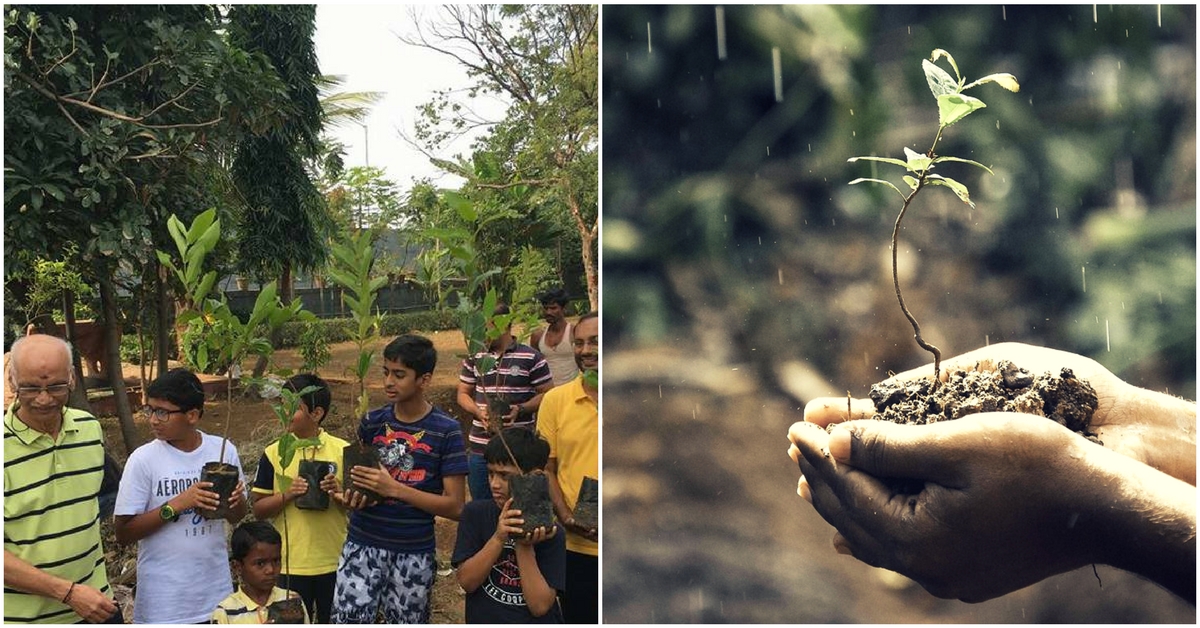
(253, 426)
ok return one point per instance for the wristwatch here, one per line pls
(166, 513)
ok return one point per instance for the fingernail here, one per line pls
(840, 546)
(803, 490)
(839, 444)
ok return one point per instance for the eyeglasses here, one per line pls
(54, 390)
(160, 414)
(590, 342)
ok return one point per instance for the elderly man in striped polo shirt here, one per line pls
(53, 466)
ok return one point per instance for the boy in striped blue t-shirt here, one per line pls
(388, 562)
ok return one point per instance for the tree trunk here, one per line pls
(79, 398)
(162, 332)
(587, 239)
(112, 326)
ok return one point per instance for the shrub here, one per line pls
(337, 330)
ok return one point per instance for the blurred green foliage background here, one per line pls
(729, 229)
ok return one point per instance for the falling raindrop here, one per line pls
(721, 50)
(768, 151)
(1084, 269)
(910, 29)
(1004, 13)
(760, 240)
(1122, 306)
(777, 65)
(780, 276)
(1056, 213)
(660, 391)
(1159, 16)
(1107, 339)
(659, 103)
(649, 47)
(987, 340)
(851, 113)
(1094, 18)
(810, 148)
(997, 124)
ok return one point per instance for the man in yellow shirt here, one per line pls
(569, 419)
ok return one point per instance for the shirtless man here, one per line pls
(554, 340)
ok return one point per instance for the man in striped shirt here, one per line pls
(520, 378)
(53, 466)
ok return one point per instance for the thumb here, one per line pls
(885, 449)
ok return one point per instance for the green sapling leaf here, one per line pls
(955, 107)
(940, 81)
(887, 183)
(938, 53)
(886, 160)
(964, 161)
(917, 163)
(959, 189)
(1004, 79)
(911, 181)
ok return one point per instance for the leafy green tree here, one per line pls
(112, 115)
(543, 59)
(285, 223)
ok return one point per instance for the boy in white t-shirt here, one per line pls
(183, 565)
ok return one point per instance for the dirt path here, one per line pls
(252, 425)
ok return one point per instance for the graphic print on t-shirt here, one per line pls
(396, 449)
(504, 580)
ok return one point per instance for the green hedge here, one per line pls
(342, 329)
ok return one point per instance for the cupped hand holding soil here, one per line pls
(1151, 427)
(1003, 500)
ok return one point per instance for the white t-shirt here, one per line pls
(183, 568)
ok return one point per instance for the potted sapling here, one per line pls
(291, 611)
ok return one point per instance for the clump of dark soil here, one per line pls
(1063, 398)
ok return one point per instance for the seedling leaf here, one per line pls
(940, 81)
(938, 53)
(965, 161)
(887, 183)
(886, 160)
(959, 189)
(917, 163)
(911, 181)
(955, 107)
(1004, 79)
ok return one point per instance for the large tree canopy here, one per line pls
(543, 60)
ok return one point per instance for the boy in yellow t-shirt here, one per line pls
(316, 535)
(255, 548)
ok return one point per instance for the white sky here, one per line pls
(361, 42)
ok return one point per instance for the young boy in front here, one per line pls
(509, 578)
(255, 557)
(388, 562)
(315, 537)
(183, 563)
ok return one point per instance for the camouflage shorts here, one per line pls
(373, 581)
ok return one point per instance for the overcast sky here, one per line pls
(361, 42)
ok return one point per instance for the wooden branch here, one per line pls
(41, 89)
